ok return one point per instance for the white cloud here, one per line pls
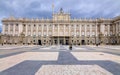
(41, 8)
(78, 7)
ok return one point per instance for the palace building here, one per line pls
(61, 29)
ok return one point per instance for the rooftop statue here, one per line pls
(61, 10)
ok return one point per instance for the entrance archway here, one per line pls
(61, 41)
(67, 42)
(83, 42)
(39, 42)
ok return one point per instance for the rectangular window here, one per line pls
(39, 33)
(88, 33)
(6, 27)
(82, 33)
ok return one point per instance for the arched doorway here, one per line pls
(39, 42)
(83, 42)
(61, 41)
(67, 42)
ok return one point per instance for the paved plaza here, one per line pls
(59, 60)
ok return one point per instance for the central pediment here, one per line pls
(61, 16)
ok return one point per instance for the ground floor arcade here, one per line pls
(59, 40)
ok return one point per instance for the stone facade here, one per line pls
(0, 38)
(61, 29)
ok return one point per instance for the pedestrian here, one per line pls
(70, 47)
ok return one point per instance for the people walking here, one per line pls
(70, 47)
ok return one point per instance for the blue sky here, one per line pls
(43, 8)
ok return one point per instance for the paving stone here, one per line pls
(62, 62)
(72, 70)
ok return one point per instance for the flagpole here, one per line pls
(53, 8)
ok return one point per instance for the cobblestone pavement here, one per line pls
(85, 60)
(72, 70)
(13, 50)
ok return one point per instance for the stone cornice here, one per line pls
(26, 20)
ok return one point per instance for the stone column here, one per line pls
(13, 29)
(3, 27)
(53, 30)
(117, 28)
(69, 33)
(20, 28)
(8, 29)
(26, 30)
(85, 30)
(26, 33)
(47, 41)
(96, 34)
(75, 30)
(42, 25)
(53, 33)
(31, 29)
(47, 30)
(80, 33)
(64, 33)
(103, 32)
(58, 34)
(80, 30)
(52, 41)
(36, 34)
(102, 28)
(90, 34)
(17, 28)
(109, 29)
(37, 29)
(96, 30)
(64, 29)
(69, 30)
(114, 29)
(90, 30)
